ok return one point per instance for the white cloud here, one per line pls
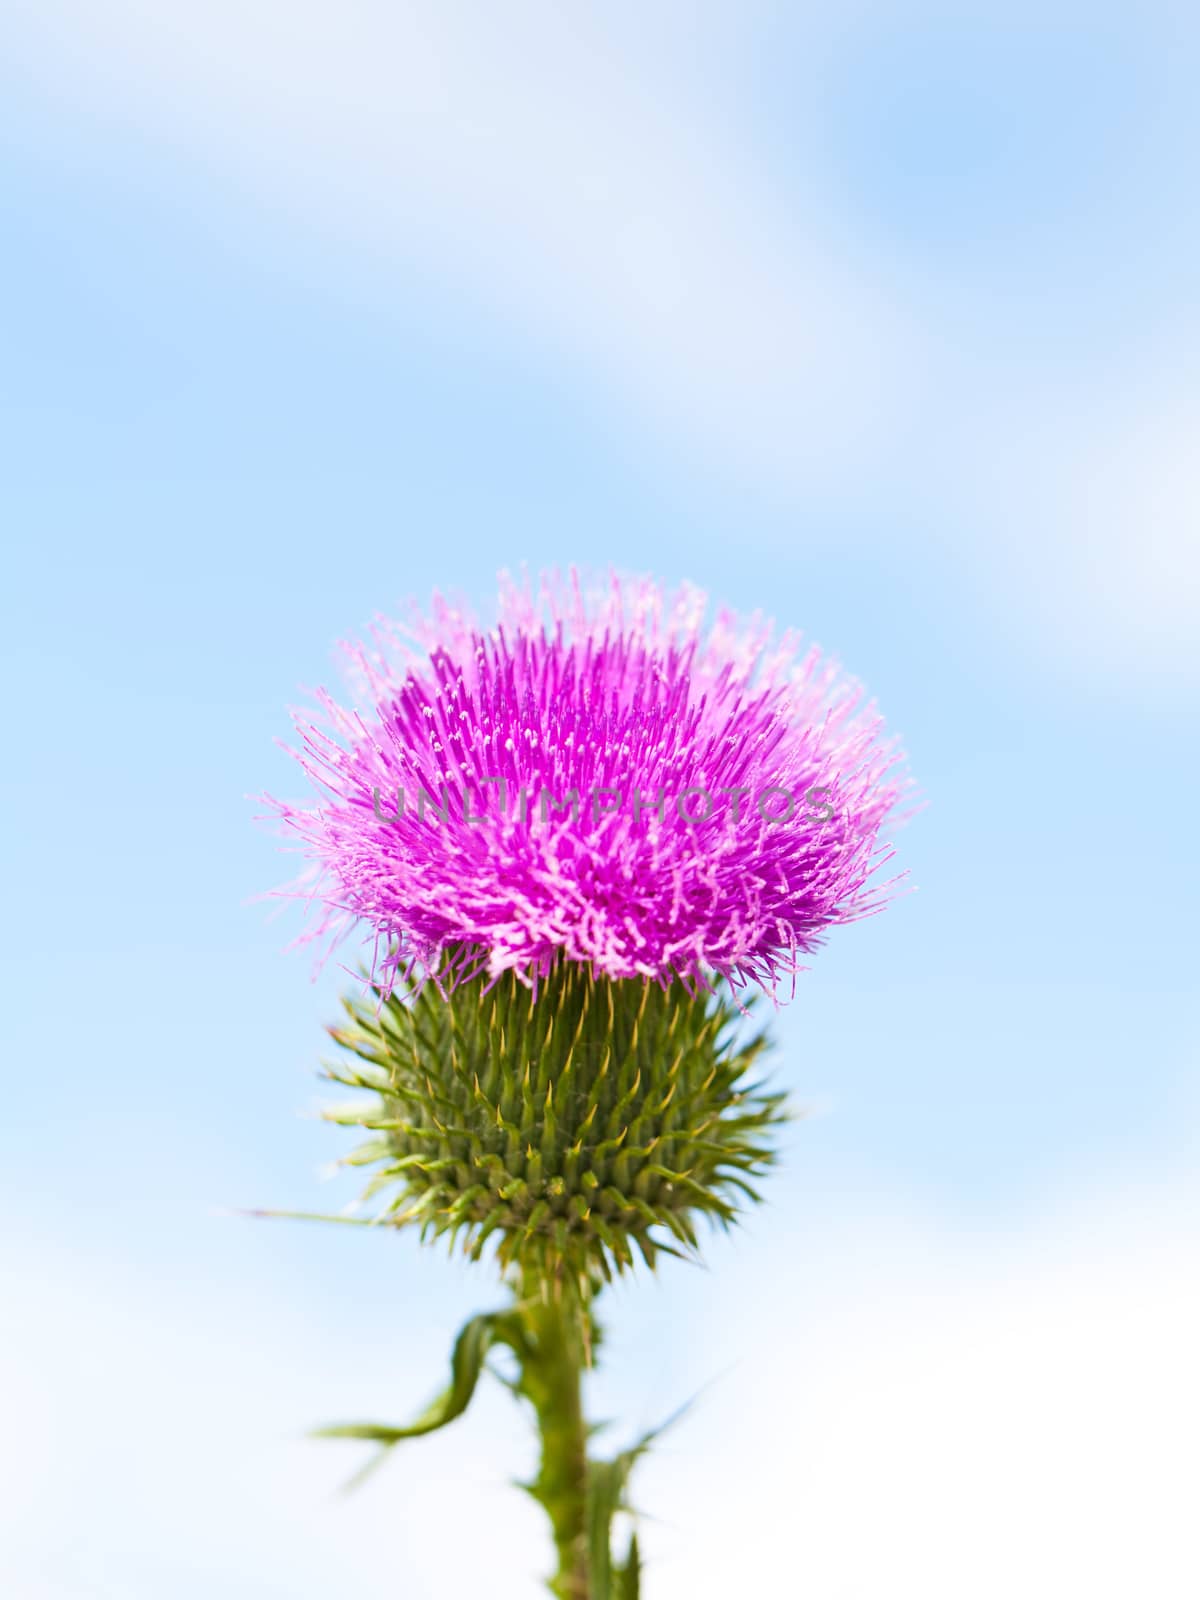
(911, 1410)
(154, 1446)
(1127, 505)
(576, 170)
(980, 1415)
(547, 161)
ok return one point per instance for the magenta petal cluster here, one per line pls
(597, 776)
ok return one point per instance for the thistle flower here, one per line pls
(553, 818)
(596, 778)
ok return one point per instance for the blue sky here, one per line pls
(886, 324)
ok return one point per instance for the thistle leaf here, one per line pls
(629, 1577)
(607, 1483)
(475, 1339)
(314, 1216)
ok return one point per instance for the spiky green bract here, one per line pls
(573, 1127)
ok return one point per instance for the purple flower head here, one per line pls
(597, 778)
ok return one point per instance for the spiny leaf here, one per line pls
(474, 1341)
(315, 1216)
(607, 1483)
(629, 1577)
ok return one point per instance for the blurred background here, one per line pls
(881, 318)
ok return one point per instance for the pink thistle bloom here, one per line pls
(600, 778)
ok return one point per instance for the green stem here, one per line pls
(552, 1379)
